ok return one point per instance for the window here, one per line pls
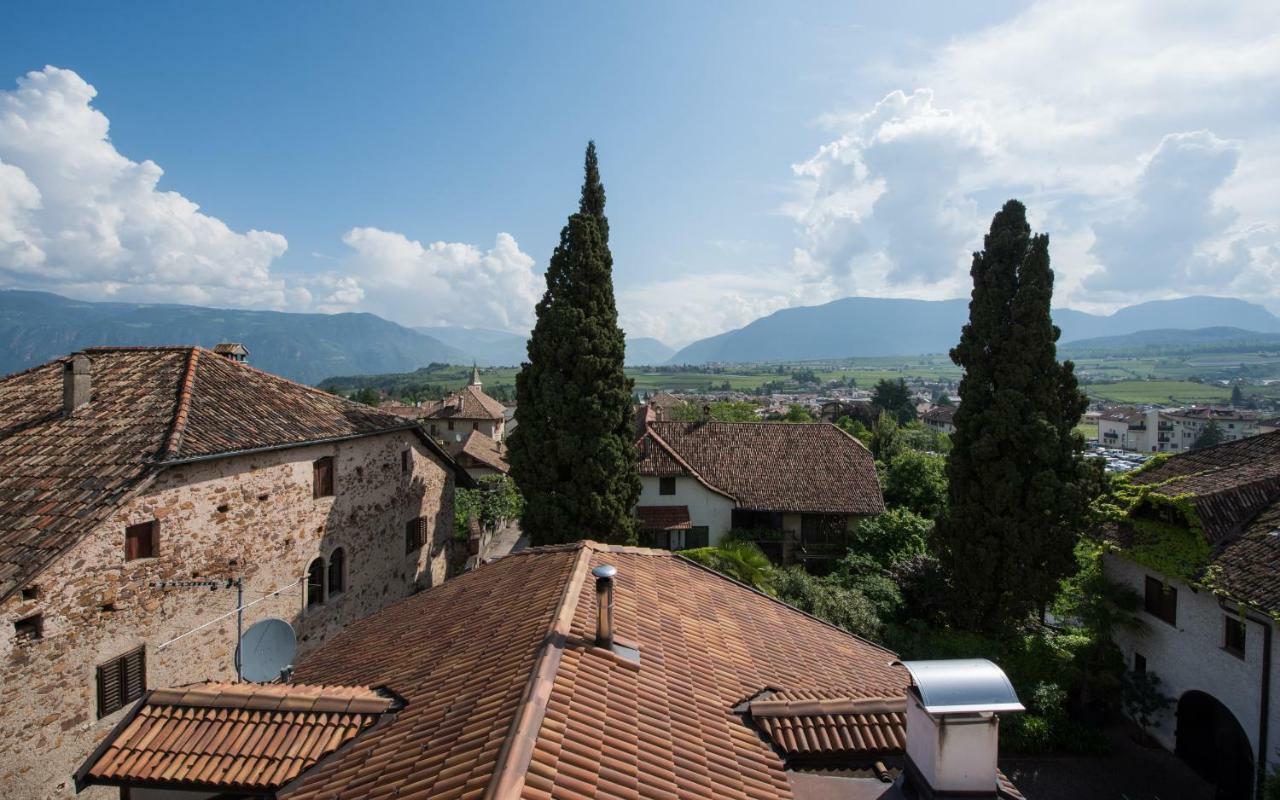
(475, 426)
(140, 540)
(337, 576)
(435, 428)
(666, 485)
(1161, 601)
(30, 628)
(405, 462)
(1139, 663)
(415, 534)
(30, 593)
(322, 477)
(697, 536)
(450, 424)
(1233, 636)
(121, 681)
(315, 583)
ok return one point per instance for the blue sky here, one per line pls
(418, 160)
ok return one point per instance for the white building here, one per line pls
(1210, 635)
(798, 487)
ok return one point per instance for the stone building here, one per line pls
(1201, 546)
(138, 485)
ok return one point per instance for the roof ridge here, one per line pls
(186, 387)
(512, 762)
(684, 463)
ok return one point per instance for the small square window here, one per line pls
(30, 593)
(1233, 636)
(415, 534)
(666, 485)
(30, 628)
(140, 541)
(322, 477)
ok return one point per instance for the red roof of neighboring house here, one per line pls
(484, 451)
(187, 738)
(768, 466)
(663, 518)
(149, 407)
(474, 404)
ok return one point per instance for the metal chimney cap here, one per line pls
(605, 571)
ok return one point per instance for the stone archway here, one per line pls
(1209, 738)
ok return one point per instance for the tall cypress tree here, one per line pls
(1017, 484)
(572, 454)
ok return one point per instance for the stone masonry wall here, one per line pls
(252, 516)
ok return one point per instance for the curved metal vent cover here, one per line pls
(962, 686)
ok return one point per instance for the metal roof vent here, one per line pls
(953, 731)
(604, 604)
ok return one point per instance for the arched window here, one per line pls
(337, 572)
(315, 583)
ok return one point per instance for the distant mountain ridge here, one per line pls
(873, 326)
(1164, 339)
(38, 326)
(490, 348)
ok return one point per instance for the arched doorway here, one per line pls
(1211, 741)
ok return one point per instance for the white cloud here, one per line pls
(1081, 110)
(77, 216)
(437, 283)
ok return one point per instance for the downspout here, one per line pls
(1264, 702)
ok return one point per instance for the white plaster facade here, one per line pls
(1190, 656)
(706, 507)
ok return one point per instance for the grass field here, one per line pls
(1158, 392)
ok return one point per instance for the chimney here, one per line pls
(76, 382)
(604, 604)
(953, 731)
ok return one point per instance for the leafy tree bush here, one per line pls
(920, 437)
(891, 538)
(894, 398)
(1143, 700)
(885, 443)
(1210, 436)
(827, 600)
(494, 501)
(917, 482)
(739, 559)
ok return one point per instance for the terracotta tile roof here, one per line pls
(485, 451)
(475, 405)
(507, 696)
(1231, 482)
(1247, 568)
(768, 466)
(61, 474)
(663, 518)
(1129, 414)
(941, 415)
(811, 725)
(233, 735)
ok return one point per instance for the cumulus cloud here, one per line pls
(77, 216)
(1172, 213)
(1061, 105)
(890, 185)
(436, 283)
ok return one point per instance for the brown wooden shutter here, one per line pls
(108, 687)
(323, 477)
(133, 676)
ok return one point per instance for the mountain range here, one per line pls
(873, 326)
(490, 348)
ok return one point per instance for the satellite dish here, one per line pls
(265, 649)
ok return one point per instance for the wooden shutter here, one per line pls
(323, 477)
(415, 534)
(108, 687)
(133, 676)
(140, 541)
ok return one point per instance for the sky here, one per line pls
(418, 160)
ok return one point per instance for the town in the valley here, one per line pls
(941, 462)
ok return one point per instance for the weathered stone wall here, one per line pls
(252, 516)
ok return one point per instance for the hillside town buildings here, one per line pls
(1202, 550)
(469, 424)
(144, 492)
(1176, 430)
(573, 672)
(796, 488)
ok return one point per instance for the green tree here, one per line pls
(1017, 489)
(797, 413)
(918, 482)
(944, 399)
(1208, 437)
(895, 398)
(1237, 397)
(891, 538)
(885, 442)
(741, 560)
(368, 395)
(572, 454)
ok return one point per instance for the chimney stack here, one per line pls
(76, 382)
(953, 727)
(604, 604)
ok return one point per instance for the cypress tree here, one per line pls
(1017, 485)
(572, 454)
